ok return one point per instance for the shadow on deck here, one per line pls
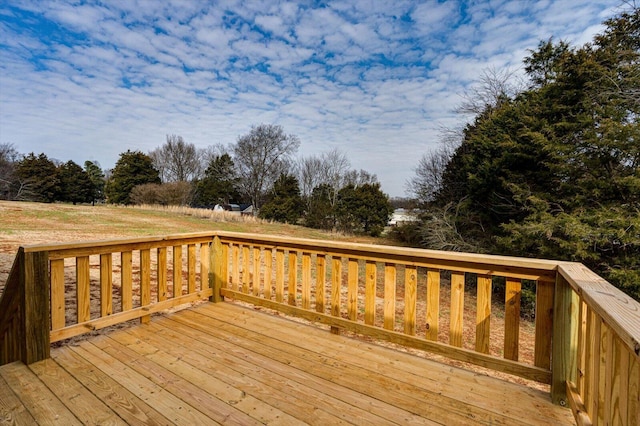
(223, 363)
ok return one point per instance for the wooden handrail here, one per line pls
(587, 333)
(599, 351)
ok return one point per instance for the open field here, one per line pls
(39, 223)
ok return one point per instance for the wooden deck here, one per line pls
(222, 363)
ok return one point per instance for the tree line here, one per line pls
(550, 166)
(260, 170)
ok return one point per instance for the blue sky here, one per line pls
(87, 80)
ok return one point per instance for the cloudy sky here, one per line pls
(87, 80)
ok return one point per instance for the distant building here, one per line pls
(239, 209)
(402, 217)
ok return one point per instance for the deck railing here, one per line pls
(586, 333)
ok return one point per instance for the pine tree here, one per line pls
(133, 168)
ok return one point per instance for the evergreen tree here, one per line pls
(133, 168)
(555, 171)
(320, 213)
(97, 179)
(363, 209)
(38, 178)
(219, 184)
(285, 204)
(75, 184)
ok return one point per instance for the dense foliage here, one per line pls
(555, 170)
(363, 209)
(285, 203)
(133, 168)
(219, 185)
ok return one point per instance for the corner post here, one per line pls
(562, 345)
(35, 307)
(216, 268)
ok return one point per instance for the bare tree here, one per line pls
(176, 160)
(211, 153)
(261, 156)
(428, 178)
(359, 177)
(10, 186)
(493, 87)
(336, 165)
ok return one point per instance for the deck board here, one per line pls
(227, 364)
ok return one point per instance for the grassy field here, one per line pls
(38, 223)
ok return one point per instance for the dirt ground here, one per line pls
(33, 223)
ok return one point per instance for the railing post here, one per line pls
(216, 268)
(35, 307)
(562, 345)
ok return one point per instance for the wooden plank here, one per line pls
(238, 389)
(362, 369)
(268, 273)
(204, 266)
(272, 389)
(41, 402)
(337, 383)
(561, 343)
(588, 351)
(371, 279)
(321, 274)
(577, 406)
(81, 402)
(618, 309)
(145, 282)
(544, 323)
(57, 294)
(336, 285)
(483, 314)
(457, 309)
(210, 406)
(161, 272)
(459, 354)
(218, 259)
(120, 317)
(83, 283)
(633, 406)
(178, 411)
(306, 280)
(106, 284)
(389, 310)
(352, 289)
(191, 268)
(246, 274)
(582, 347)
(279, 276)
(608, 377)
(224, 270)
(12, 411)
(433, 304)
(620, 383)
(86, 248)
(292, 283)
(177, 270)
(127, 405)
(126, 280)
(593, 404)
(599, 415)
(256, 271)
(513, 292)
(235, 275)
(410, 299)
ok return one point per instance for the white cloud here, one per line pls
(376, 79)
